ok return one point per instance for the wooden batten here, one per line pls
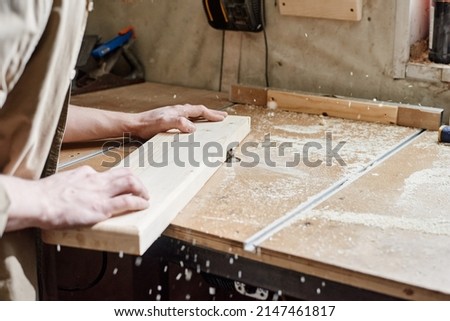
(249, 95)
(420, 117)
(429, 118)
(171, 187)
(365, 110)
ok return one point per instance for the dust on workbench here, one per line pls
(393, 222)
(407, 192)
(265, 185)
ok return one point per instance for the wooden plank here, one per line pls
(389, 231)
(251, 95)
(366, 110)
(231, 59)
(171, 187)
(347, 276)
(420, 117)
(407, 115)
(328, 9)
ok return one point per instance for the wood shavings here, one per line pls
(437, 226)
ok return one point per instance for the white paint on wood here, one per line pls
(231, 59)
(328, 9)
(171, 187)
(401, 39)
(445, 73)
(411, 25)
(425, 72)
(419, 20)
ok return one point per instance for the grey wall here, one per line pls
(177, 46)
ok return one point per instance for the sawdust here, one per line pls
(434, 182)
(426, 190)
(297, 129)
(364, 142)
(267, 190)
(417, 203)
(245, 200)
(432, 225)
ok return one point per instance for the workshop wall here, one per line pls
(354, 59)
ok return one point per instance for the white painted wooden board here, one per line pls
(171, 187)
(328, 9)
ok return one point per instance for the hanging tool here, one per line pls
(237, 15)
(96, 62)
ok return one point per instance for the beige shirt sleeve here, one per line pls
(4, 205)
(22, 25)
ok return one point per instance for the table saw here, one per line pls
(372, 225)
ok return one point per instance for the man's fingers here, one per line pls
(214, 115)
(184, 125)
(121, 181)
(126, 203)
(196, 111)
(117, 172)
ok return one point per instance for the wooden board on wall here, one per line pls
(181, 174)
(328, 9)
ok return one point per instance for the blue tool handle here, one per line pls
(111, 45)
(444, 134)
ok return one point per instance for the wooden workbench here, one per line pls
(379, 222)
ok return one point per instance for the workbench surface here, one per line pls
(378, 219)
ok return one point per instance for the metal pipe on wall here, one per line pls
(440, 31)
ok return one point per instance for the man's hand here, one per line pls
(152, 122)
(73, 198)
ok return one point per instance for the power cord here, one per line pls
(221, 60)
(263, 22)
(266, 45)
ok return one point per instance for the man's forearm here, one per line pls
(21, 214)
(86, 124)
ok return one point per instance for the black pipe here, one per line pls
(440, 49)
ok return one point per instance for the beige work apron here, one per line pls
(40, 41)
